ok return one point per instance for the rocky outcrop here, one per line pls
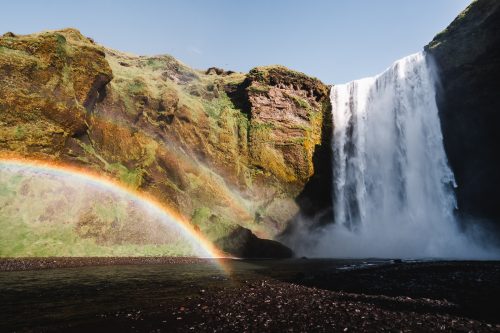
(49, 81)
(227, 150)
(244, 244)
(286, 119)
(467, 54)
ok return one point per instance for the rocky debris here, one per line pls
(271, 306)
(33, 263)
(466, 288)
(467, 54)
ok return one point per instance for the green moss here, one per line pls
(234, 79)
(61, 49)
(263, 74)
(242, 121)
(89, 149)
(19, 54)
(20, 239)
(200, 216)
(130, 177)
(255, 126)
(297, 140)
(110, 212)
(20, 133)
(194, 181)
(218, 228)
(266, 156)
(243, 131)
(60, 39)
(156, 63)
(149, 153)
(216, 106)
(299, 102)
(66, 75)
(259, 88)
(81, 225)
(136, 87)
(133, 177)
(212, 226)
(261, 132)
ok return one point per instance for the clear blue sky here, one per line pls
(334, 40)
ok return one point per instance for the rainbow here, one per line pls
(108, 183)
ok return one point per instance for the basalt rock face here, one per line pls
(226, 150)
(468, 56)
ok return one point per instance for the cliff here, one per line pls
(467, 53)
(230, 151)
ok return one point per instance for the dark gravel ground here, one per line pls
(401, 297)
(23, 264)
(473, 286)
(271, 306)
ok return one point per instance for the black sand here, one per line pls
(184, 294)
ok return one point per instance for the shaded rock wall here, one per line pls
(468, 56)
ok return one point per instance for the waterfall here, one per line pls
(393, 188)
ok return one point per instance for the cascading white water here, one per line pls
(393, 188)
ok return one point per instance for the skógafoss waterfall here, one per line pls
(393, 188)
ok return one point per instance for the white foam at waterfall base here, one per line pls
(393, 188)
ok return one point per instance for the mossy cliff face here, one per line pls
(467, 54)
(224, 149)
(287, 111)
(49, 82)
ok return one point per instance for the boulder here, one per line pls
(242, 243)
